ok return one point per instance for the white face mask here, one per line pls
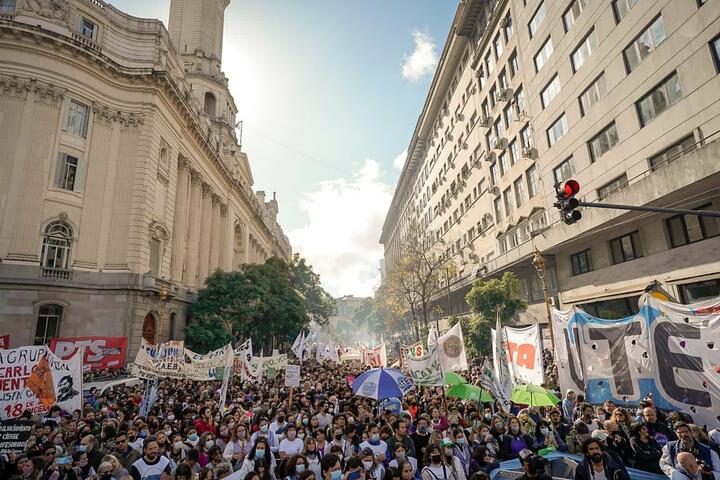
(544, 430)
(368, 465)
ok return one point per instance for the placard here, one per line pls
(14, 435)
(101, 353)
(292, 376)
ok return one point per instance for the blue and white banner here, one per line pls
(668, 351)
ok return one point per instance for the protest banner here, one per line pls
(451, 350)
(4, 342)
(500, 366)
(524, 354)
(165, 362)
(426, 371)
(666, 350)
(375, 357)
(14, 435)
(33, 378)
(292, 376)
(101, 353)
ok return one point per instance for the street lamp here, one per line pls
(539, 263)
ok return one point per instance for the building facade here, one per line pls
(122, 184)
(622, 96)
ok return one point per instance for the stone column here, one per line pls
(195, 214)
(180, 223)
(205, 223)
(225, 239)
(215, 234)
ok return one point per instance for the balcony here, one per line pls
(55, 273)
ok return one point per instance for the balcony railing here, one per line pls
(55, 273)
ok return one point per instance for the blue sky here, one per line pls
(329, 93)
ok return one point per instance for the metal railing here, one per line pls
(55, 273)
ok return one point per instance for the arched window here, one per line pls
(171, 325)
(48, 323)
(148, 329)
(210, 104)
(55, 257)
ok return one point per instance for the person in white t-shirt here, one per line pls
(290, 445)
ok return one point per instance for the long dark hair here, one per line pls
(259, 440)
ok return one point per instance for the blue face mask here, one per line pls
(336, 475)
(259, 453)
(375, 437)
(193, 437)
(81, 448)
(143, 434)
(299, 468)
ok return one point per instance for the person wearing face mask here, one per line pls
(235, 449)
(400, 456)
(290, 445)
(461, 450)
(514, 441)
(134, 440)
(278, 426)
(296, 465)
(374, 470)
(436, 466)
(330, 468)
(421, 438)
(176, 452)
(264, 431)
(375, 444)
(338, 441)
(259, 451)
(546, 437)
(94, 455)
(81, 466)
(105, 471)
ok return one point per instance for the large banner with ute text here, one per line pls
(668, 350)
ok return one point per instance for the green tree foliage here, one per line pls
(487, 299)
(268, 302)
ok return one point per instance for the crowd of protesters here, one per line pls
(323, 432)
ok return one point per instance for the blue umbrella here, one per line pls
(380, 383)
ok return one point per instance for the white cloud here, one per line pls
(423, 60)
(399, 161)
(340, 237)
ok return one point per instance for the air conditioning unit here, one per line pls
(445, 111)
(459, 117)
(449, 137)
(451, 164)
(489, 157)
(505, 95)
(522, 115)
(464, 145)
(500, 143)
(494, 190)
(474, 257)
(504, 22)
(486, 121)
(527, 152)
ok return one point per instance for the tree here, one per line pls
(488, 299)
(268, 302)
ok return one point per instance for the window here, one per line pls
(66, 173)
(485, 109)
(57, 241)
(498, 210)
(626, 248)
(613, 309)
(532, 181)
(603, 142)
(490, 63)
(490, 136)
(48, 323)
(584, 50)
(699, 291)
(508, 27)
(508, 201)
(7, 6)
(715, 50)
(76, 117)
(498, 45)
(87, 28)
(550, 91)
(499, 127)
(509, 114)
(543, 54)
(673, 152)
(493, 96)
(661, 98)
(564, 171)
(644, 44)
(502, 80)
(519, 191)
(622, 7)
(572, 13)
(593, 94)
(514, 67)
(581, 262)
(526, 137)
(494, 175)
(512, 237)
(512, 148)
(210, 104)
(685, 229)
(537, 20)
(155, 247)
(618, 183)
(520, 100)
(502, 244)
(504, 163)
(557, 130)
(171, 325)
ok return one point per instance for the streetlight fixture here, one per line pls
(539, 263)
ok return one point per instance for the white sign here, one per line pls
(451, 349)
(525, 354)
(292, 376)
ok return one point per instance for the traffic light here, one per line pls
(566, 201)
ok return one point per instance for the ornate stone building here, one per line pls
(121, 177)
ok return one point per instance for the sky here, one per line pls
(329, 92)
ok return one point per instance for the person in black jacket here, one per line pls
(514, 441)
(483, 460)
(646, 449)
(596, 461)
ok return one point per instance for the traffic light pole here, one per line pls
(678, 211)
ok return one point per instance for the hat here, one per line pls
(446, 442)
(569, 390)
(600, 435)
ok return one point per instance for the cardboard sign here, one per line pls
(292, 376)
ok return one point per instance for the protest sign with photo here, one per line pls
(100, 352)
(33, 378)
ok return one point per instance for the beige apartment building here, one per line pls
(122, 183)
(621, 95)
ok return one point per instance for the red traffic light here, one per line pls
(571, 187)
